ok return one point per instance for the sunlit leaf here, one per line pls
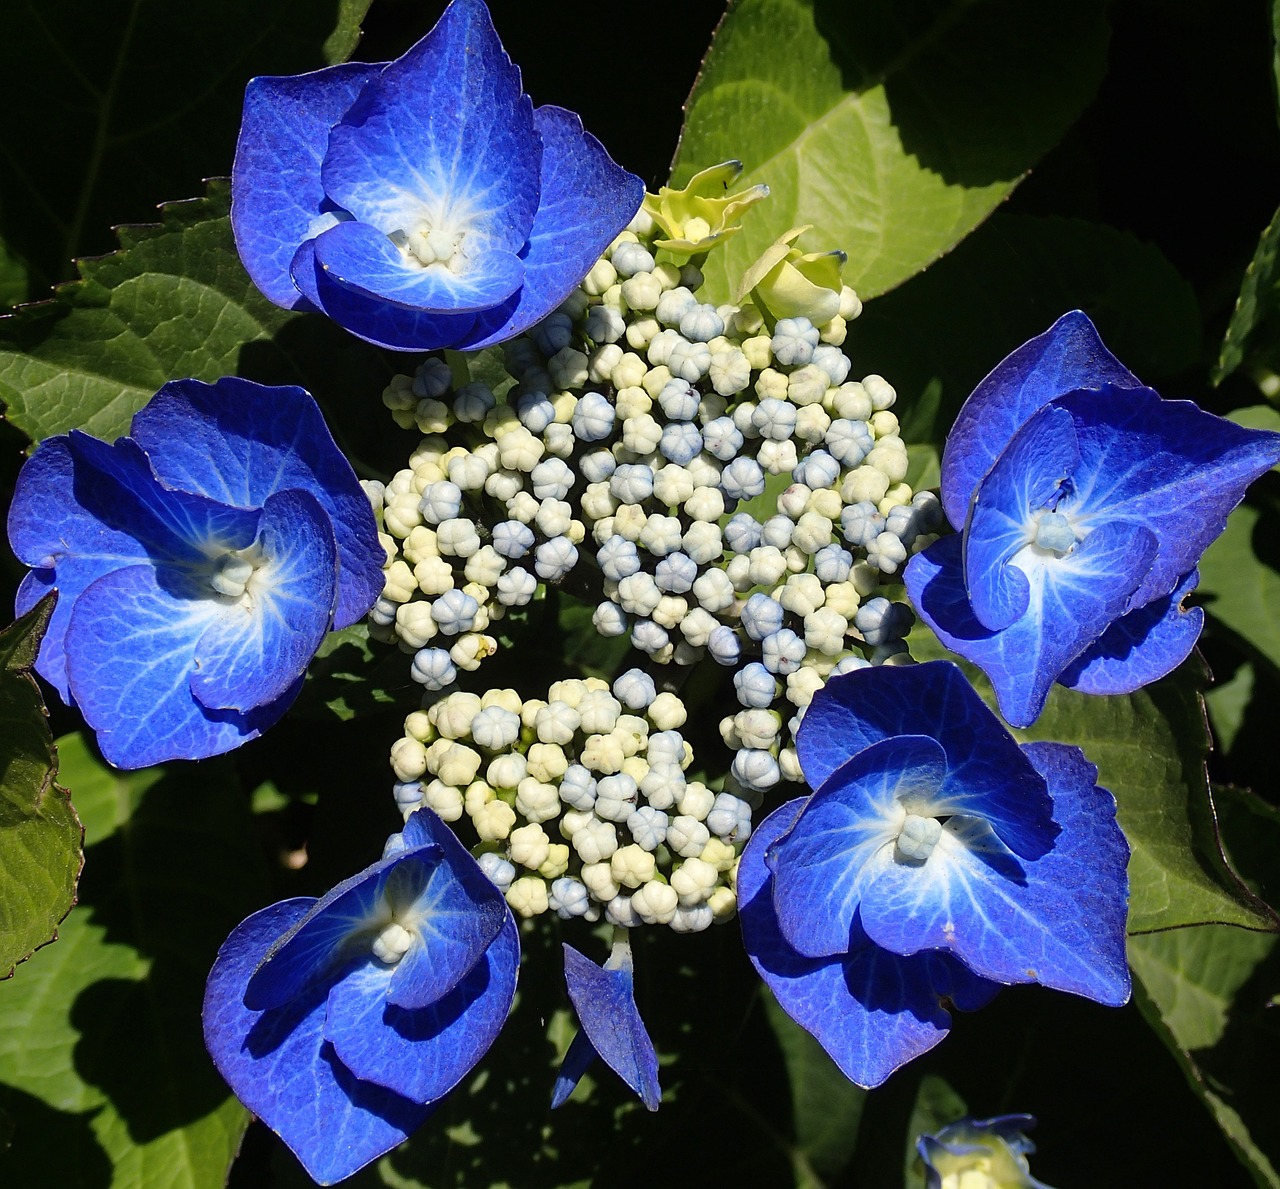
(863, 120)
(40, 854)
(101, 1056)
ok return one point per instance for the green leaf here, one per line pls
(353, 676)
(137, 103)
(936, 1105)
(826, 1107)
(1150, 748)
(1206, 990)
(1227, 703)
(943, 331)
(1240, 581)
(864, 121)
(175, 302)
(101, 1057)
(40, 835)
(1256, 304)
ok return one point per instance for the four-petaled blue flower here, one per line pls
(1086, 502)
(340, 1022)
(980, 1154)
(611, 1027)
(198, 562)
(936, 859)
(425, 202)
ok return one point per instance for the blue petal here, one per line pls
(282, 1069)
(277, 201)
(130, 644)
(986, 771)
(606, 1007)
(444, 133)
(1058, 920)
(1025, 478)
(423, 1054)
(239, 442)
(586, 200)
(252, 654)
(340, 926)
(844, 835)
(1066, 357)
(1069, 612)
(67, 541)
(577, 1060)
(376, 321)
(1140, 647)
(461, 913)
(1165, 464)
(360, 257)
(871, 1010)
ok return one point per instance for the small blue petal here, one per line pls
(250, 655)
(1066, 357)
(586, 200)
(577, 1060)
(606, 1007)
(422, 1054)
(340, 925)
(282, 1069)
(360, 257)
(277, 201)
(1167, 465)
(986, 771)
(871, 1010)
(844, 836)
(1058, 920)
(1024, 480)
(238, 442)
(1140, 647)
(444, 135)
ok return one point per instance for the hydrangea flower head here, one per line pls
(425, 202)
(936, 859)
(979, 1154)
(1086, 502)
(199, 562)
(341, 1021)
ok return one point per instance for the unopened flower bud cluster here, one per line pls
(580, 802)
(641, 422)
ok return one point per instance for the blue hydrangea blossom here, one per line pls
(425, 202)
(341, 1021)
(936, 859)
(611, 1027)
(198, 562)
(1086, 502)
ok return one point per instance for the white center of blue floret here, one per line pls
(918, 836)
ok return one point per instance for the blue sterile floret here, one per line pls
(424, 202)
(611, 1027)
(988, 1152)
(341, 1021)
(1086, 502)
(198, 562)
(936, 860)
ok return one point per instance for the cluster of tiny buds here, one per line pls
(580, 802)
(717, 486)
